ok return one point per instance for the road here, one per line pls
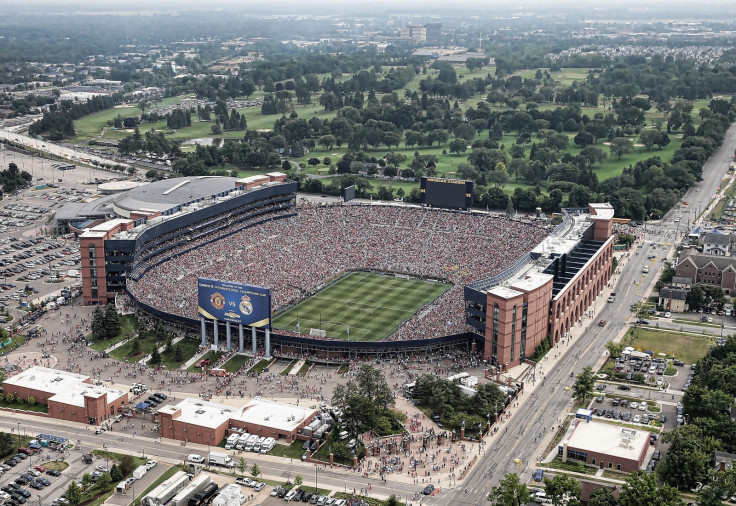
(54, 149)
(540, 411)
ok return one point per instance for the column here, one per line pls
(253, 337)
(228, 335)
(240, 347)
(204, 330)
(217, 336)
(268, 343)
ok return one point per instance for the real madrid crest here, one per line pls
(245, 306)
(217, 300)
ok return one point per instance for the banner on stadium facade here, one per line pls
(234, 302)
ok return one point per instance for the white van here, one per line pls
(242, 440)
(250, 442)
(257, 444)
(541, 498)
(268, 445)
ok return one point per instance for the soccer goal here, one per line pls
(317, 332)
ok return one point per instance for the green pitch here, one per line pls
(371, 306)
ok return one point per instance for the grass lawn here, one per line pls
(36, 407)
(167, 474)
(292, 451)
(686, 347)
(213, 357)
(305, 368)
(54, 464)
(188, 349)
(91, 125)
(128, 327)
(360, 306)
(261, 365)
(235, 363)
(125, 351)
(288, 368)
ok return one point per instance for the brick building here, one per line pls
(605, 446)
(547, 291)
(202, 422)
(69, 396)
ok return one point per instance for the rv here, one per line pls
(268, 445)
(257, 445)
(232, 440)
(242, 440)
(167, 490)
(250, 442)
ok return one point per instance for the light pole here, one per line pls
(315, 478)
(18, 433)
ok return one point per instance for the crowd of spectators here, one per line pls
(295, 255)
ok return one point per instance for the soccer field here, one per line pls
(360, 306)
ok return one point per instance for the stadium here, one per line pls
(349, 280)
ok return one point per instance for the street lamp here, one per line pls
(18, 433)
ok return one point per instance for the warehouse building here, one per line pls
(605, 445)
(203, 422)
(69, 396)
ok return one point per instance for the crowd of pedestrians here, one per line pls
(295, 255)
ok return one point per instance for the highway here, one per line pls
(54, 149)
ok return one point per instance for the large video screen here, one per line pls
(348, 193)
(446, 193)
(234, 302)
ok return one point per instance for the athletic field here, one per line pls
(360, 306)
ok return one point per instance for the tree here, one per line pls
(115, 473)
(602, 497)
(649, 138)
(510, 492)
(169, 344)
(563, 489)
(392, 501)
(583, 387)
(135, 348)
(242, 465)
(458, 146)
(689, 456)
(155, 359)
(255, 471)
(178, 354)
(642, 488)
(86, 481)
(74, 493)
(112, 321)
(621, 146)
(104, 481)
(98, 324)
(614, 349)
(298, 481)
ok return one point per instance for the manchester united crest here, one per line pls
(217, 300)
(245, 306)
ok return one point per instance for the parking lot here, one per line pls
(13, 484)
(30, 253)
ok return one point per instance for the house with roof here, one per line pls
(717, 243)
(673, 299)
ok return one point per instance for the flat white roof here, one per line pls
(45, 379)
(601, 211)
(280, 416)
(504, 292)
(65, 387)
(203, 413)
(532, 281)
(613, 440)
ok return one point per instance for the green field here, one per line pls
(687, 347)
(360, 306)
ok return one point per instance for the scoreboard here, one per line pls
(446, 193)
(348, 193)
